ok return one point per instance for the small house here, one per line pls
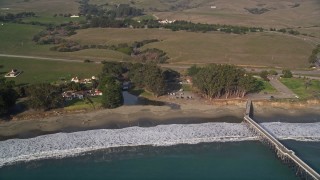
(97, 92)
(75, 79)
(13, 73)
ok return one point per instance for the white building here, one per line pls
(13, 73)
(166, 21)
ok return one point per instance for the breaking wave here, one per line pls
(294, 131)
(71, 144)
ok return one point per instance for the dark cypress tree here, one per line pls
(44, 96)
(111, 92)
(215, 81)
(8, 96)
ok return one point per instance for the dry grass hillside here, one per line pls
(42, 7)
(261, 49)
(278, 13)
(257, 49)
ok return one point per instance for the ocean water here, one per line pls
(176, 151)
(218, 160)
(309, 152)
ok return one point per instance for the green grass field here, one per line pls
(36, 71)
(298, 87)
(17, 39)
(77, 104)
(267, 87)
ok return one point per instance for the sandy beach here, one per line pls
(124, 116)
(74, 133)
(146, 116)
(61, 145)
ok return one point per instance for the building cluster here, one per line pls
(83, 81)
(70, 95)
(166, 21)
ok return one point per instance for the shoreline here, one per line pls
(61, 145)
(69, 144)
(192, 112)
(125, 116)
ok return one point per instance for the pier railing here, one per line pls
(284, 154)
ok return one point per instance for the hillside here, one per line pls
(266, 48)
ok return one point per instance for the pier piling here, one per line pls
(287, 156)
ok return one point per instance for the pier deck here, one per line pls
(286, 155)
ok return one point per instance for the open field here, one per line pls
(284, 13)
(313, 31)
(279, 13)
(157, 5)
(17, 39)
(256, 49)
(261, 49)
(298, 87)
(40, 7)
(35, 71)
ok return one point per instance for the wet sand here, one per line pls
(125, 116)
(307, 114)
(146, 116)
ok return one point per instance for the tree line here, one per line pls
(216, 81)
(314, 57)
(148, 75)
(108, 16)
(9, 17)
(199, 27)
(102, 21)
(106, 10)
(133, 50)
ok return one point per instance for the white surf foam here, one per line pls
(70, 144)
(294, 131)
(67, 144)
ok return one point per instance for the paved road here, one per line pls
(283, 91)
(294, 72)
(173, 66)
(302, 73)
(37, 57)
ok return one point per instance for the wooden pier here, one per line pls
(286, 155)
